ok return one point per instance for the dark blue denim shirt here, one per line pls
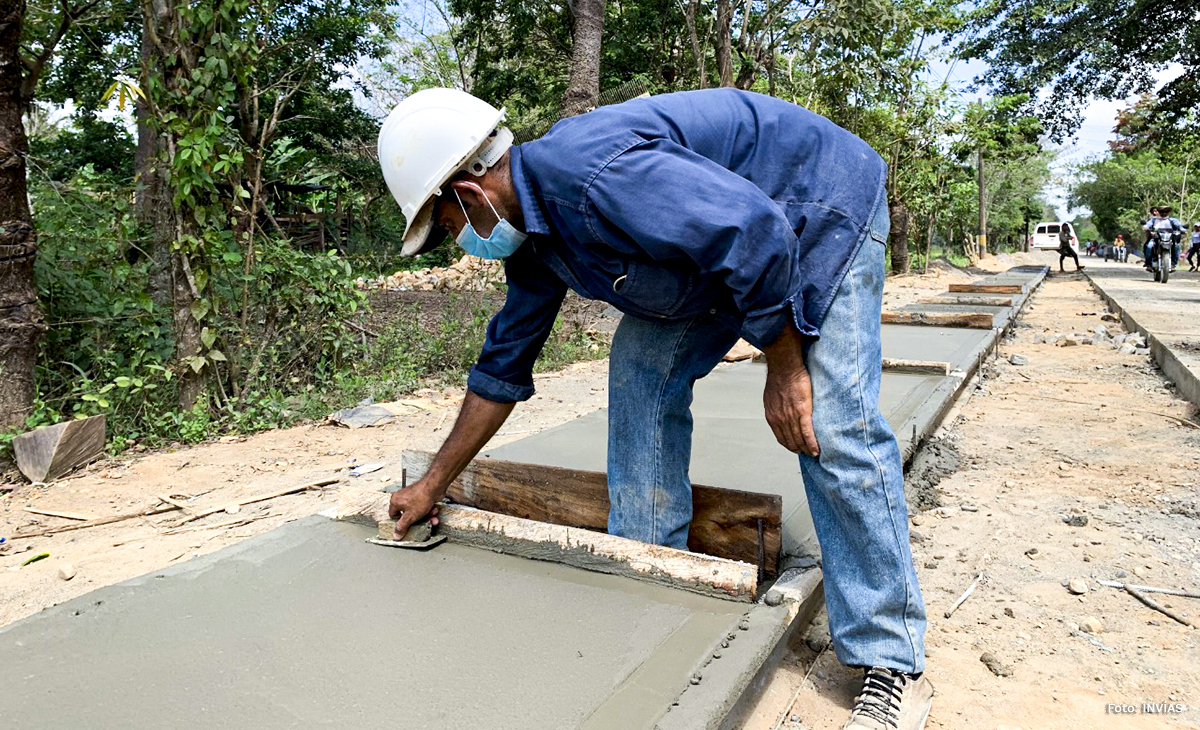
(720, 201)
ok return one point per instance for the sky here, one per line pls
(1090, 140)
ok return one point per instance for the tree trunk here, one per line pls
(899, 215)
(724, 44)
(167, 227)
(153, 207)
(20, 315)
(584, 85)
(689, 16)
(187, 332)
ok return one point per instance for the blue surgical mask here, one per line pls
(503, 242)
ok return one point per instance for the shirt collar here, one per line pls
(535, 222)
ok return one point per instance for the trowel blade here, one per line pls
(411, 544)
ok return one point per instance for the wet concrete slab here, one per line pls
(951, 297)
(309, 626)
(1167, 314)
(959, 346)
(732, 445)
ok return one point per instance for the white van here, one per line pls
(1045, 236)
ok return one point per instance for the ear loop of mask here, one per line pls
(468, 218)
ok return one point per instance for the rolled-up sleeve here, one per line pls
(675, 204)
(516, 335)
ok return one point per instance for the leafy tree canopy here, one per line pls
(1106, 48)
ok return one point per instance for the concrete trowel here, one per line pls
(420, 536)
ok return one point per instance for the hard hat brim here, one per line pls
(421, 235)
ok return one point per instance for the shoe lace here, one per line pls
(880, 696)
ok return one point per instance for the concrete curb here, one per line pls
(1184, 377)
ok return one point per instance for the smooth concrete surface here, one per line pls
(732, 444)
(1167, 314)
(310, 626)
(959, 346)
(950, 297)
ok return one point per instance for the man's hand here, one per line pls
(478, 420)
(787, 397)
(413, 503)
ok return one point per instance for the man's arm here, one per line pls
(478, 420)
(502, 376)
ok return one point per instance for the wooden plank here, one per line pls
(258, 498)
(95, 523)
(45, 454)
(725, 522)
(973, 320)
(920, 367)
(572, 546)
(988, 288)
(63, 515)
(982, 300)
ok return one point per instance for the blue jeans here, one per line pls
(855, 488)
(1174, 253)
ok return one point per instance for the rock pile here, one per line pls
(1128, 344)
(467, 274)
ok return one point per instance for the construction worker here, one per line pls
(701, 215)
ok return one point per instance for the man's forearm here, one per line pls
(785, 354)
(478, 420)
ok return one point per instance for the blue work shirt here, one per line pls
(719, 201)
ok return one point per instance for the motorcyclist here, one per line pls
(1164, 221)
(1119, 252)
(1149, 237)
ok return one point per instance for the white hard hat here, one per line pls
(426, 140)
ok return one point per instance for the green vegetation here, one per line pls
(205, 195)
(1152, 162)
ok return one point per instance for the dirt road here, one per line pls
(1068, 435)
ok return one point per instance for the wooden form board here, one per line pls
(988, 288)
(47, 453)
(983, 300)
(573, 546)
(972, 320)
(725, 522)
(920, 367)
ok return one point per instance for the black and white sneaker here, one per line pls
(891, 700)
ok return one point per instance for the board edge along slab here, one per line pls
(585, 549)
(725, 522)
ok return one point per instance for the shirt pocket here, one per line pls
(654, 288)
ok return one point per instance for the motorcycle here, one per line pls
(1160, 255)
